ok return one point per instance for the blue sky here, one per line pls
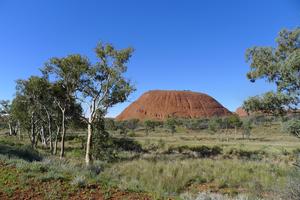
(179, 44)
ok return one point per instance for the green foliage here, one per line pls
(150, 125)
(292, 190)
(156, 176)
(170, 124)
(52, 176)
(261, 119)
(5, 107)
(67, 71)
(198, 151)
(79, 181)
(246, 154)
(124, 126)
(21, 112)
(292, 127)
(110, 124)
(246, 128)
(233, 121)
(269, 103)
(195, 124)
(103, 147)
(132, 124)
(127, 144)
(214, 124)
(104, 85)
(279, 65)
(104, 81)
(107, 148)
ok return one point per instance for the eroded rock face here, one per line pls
(241, 112)
(161, 104)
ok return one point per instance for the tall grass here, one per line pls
(165, 178)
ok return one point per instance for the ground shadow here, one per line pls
(22, 152)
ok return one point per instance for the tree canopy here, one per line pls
(279, 65)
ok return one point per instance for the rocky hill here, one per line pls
(161, 104)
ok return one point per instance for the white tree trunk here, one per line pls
(88, 143)
(10, 129)
(43, 138)
(56, 139)
(50, 131)
(32, 135)
(63, 133)
(19, 130)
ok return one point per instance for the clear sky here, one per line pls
(196, 45)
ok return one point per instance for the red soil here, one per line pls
(161, 104)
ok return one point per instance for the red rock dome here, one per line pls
(161, 104)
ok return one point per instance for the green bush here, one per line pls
(214, 124)
(246, 128)
(110, 124)
(245, 154)
(200, 151)
(52, 175)
(104, 147)
(292, 190)
(205, 151)
(292, 127)
(79, 181)
(150, 125)
(170, 124)
(127, 144)
(195, 124)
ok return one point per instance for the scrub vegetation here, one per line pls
(51, 149)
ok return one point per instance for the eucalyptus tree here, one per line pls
(65, 110)
(104, 86)
(279, 65)
(20, 111)
(5, 111)
(34, 93)
(65, 74)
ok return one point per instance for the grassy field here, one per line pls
(183, 165)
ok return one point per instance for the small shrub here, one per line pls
(198, 151)
(131, 134)
(103, 146)
(151, 125)
(52, 175)
(292, 190)
(161, 143)
(292, 127)
(195, 124)
(95, 170)
(296, 151)
(244, 154)
(204, 151)
(79, 181)
(214, 124)
(246, 128)
(127, 144)
(170, 124)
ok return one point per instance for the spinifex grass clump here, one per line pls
(165, 178)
